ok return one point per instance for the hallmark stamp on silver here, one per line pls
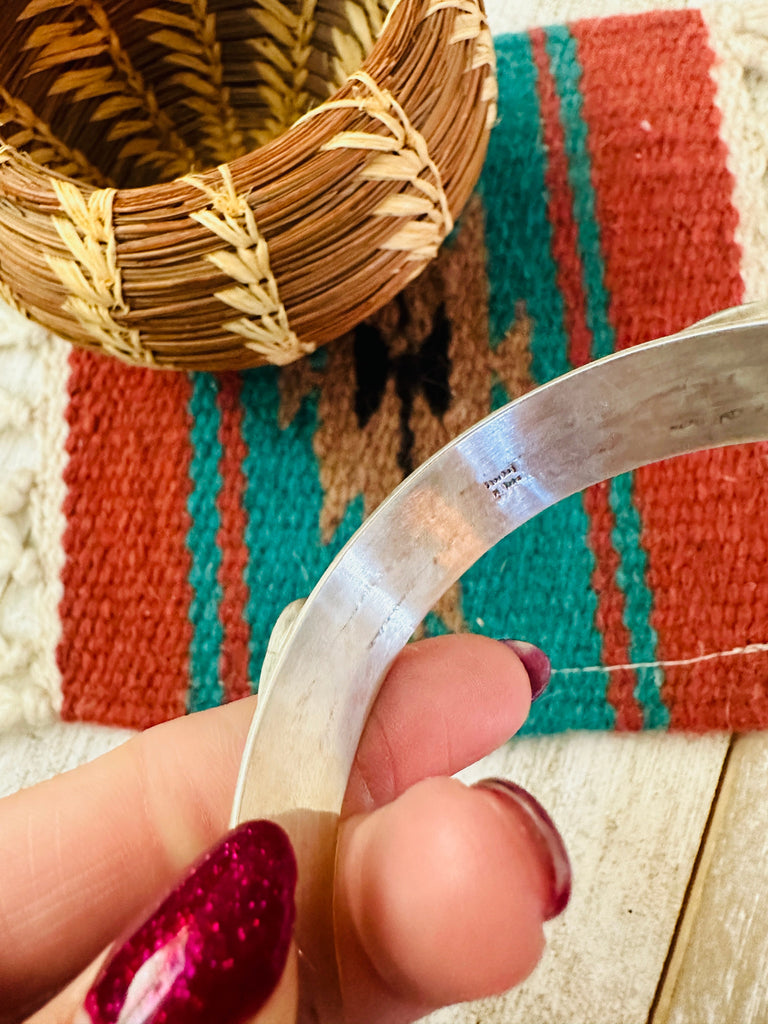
(502, 483)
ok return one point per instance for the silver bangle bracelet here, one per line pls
(703, 388)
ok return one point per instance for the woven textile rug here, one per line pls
(152, 526)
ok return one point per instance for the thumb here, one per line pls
(223, 939)
(442, 896)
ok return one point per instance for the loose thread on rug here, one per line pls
(713, 655)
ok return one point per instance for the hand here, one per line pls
(440, 894)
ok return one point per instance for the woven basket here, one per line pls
(215, 184)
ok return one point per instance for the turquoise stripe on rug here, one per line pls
(205, 690)
(285, 554)
(566, 71)
(502, 594)
(631, 575)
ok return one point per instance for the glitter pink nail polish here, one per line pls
(215, 948)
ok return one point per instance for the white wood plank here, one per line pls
(716, 973)
(632, 810)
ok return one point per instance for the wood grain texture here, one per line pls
(632, 810)
(716, 973)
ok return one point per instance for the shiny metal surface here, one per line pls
(705, 387)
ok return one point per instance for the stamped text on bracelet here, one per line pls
(505, 481)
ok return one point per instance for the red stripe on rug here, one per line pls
(565, 232)
(123, 652)
(663, 191)
(231, 540)
(664, 205)
(609, 618)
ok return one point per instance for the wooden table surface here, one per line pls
(667, 922)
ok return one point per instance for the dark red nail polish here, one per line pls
(216, 948)
(545, 832)
(536, 663)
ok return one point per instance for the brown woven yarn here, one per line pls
(215, 184)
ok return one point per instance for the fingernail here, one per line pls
(537, 664)
(217, 945)
(543, 830)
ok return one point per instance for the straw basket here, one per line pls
(214, 184)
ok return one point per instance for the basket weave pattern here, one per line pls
(214, 184)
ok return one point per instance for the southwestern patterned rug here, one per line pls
(152, 526)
